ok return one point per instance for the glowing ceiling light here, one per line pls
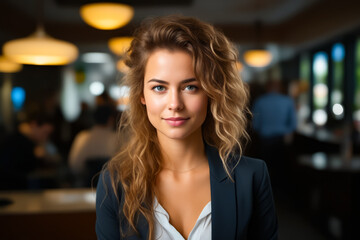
(119, 45)
(40, 49)
(122, 67)
(258, 57)
(106, 16)
(8, 66)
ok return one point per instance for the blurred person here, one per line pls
(104, 99)
(84, 121)
(25, 151)
(178, 176)
(99, 142)
(274, 121)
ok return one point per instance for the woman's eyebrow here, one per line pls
(165, 82)
(157, 81)
(189, 80)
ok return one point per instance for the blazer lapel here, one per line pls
(143, 230)
(223, 202)
(223, 198)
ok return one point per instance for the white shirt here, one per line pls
(165, 231)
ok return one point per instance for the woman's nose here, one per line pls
(175, 101)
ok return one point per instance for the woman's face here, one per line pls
(175, 102)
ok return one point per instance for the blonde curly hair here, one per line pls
(135, 168)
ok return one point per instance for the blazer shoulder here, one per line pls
(249, 167)
(105, 190)
(249, 163)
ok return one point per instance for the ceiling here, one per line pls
(294, 23)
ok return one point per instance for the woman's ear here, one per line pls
(142, 99)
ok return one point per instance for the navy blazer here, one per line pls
(240, 209)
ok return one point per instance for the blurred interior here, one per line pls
(315, 54)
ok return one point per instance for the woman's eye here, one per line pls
(191, 88)
(158, 88)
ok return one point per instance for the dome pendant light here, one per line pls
(106, 16)
(40, 49)
(119, 45)
(8, 66)
(259, 56)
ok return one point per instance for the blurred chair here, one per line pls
(101, 141)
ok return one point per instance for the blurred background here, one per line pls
(60, 101)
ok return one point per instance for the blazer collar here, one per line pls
(223, 201)
(223, 198)
(216, 167)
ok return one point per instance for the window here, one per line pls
(338, 79)
(356, 113)
(304, 83)
(320, 88)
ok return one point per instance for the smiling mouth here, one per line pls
(176, 121)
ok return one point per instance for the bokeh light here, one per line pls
(18, 96)
(96, 88)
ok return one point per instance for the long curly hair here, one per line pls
(135, 168)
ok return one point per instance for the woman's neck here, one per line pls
(182, 155)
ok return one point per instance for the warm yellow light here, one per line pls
(239, 66)
(106, 16)
(119, 45)
(121, 66)
(40, 49)
(8, 66)
(257, 58)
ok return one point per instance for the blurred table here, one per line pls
(48, 214)
(331, 186)
(321, 161)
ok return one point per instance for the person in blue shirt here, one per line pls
(274, 113)
(181, 174)
(274, 122)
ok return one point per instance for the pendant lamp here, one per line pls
(8, 66)
(257, 56)
(119, 45)
(40, 49)
(121, 66)
(106, 16)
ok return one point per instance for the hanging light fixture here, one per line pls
(119, 45)
(8, 66)
(121, 66)
(40, 49)
(106, 16)
(258, 56)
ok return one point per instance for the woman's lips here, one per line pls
(176, 121)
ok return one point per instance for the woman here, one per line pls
(178, 177)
